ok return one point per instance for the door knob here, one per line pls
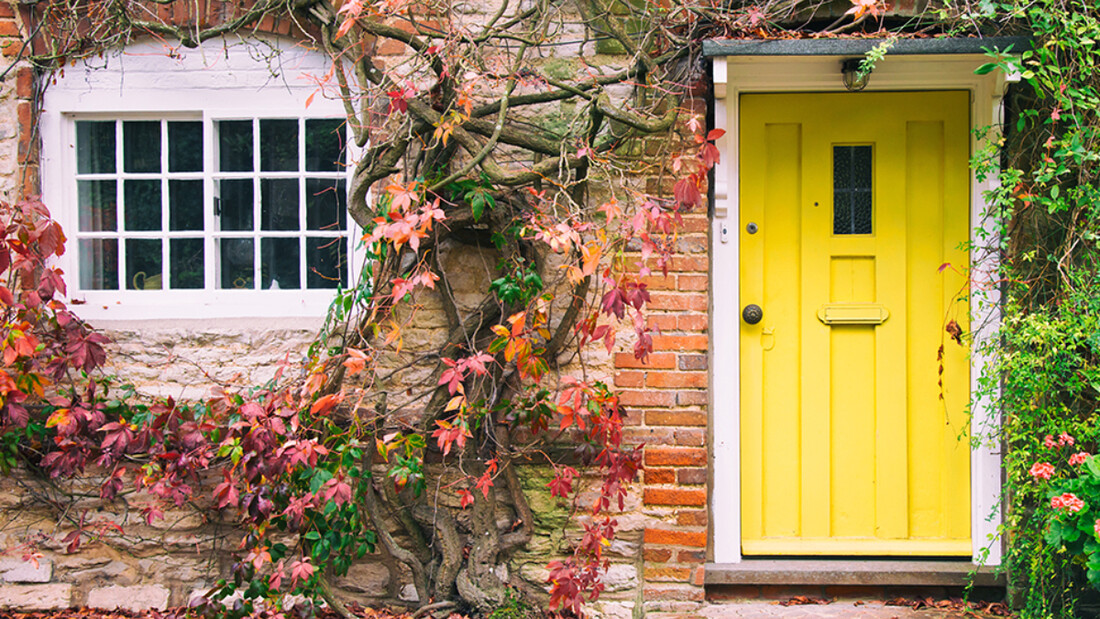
(752, 314)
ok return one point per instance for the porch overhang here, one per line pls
(859, 47)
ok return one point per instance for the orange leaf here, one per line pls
(60, 417)
(326, 403)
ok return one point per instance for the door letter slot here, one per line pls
(852, 314)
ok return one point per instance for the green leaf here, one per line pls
(985, 68)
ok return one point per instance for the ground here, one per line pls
(792, 608)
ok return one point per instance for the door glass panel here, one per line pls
(852, 189)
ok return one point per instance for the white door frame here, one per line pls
(736, 75)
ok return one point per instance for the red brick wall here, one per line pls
(668, 401)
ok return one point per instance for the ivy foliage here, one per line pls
(1046, 368)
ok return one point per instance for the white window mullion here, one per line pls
(303, 264)
(120, 215)
(164, 189)
(257, 198)
(211, 195)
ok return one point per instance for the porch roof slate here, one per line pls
(858, 47)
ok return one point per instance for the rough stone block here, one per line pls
(36, 597)
(140, 597)
(14, 569)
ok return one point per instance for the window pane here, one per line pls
(185, 205)
(279, 264)
(326, 204)
(186, 256)
(326, 262)
(98, 264)
(185, 146)
(143, 264)
(237, 261)
(852, 212)
(143, 205)
(95, 146)
(141, 146)
(235, 146)
(325, 145)
(97, 205)
(279, 145)
(279, 204)
(236, 204)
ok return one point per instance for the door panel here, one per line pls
(849, 443)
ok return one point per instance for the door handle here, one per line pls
(752, 314)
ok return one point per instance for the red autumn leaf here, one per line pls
(326, 403)
(226, 493)
(300, 570)
(484, 483)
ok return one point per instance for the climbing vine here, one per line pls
(1045, 374)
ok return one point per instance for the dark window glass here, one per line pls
(326, 204)
(235, 146)
(185, 205)
(142, 204)
(326, 262)
(95, 146)
(279, 266)
(279, 145)
(325, 145)
(141, 146)
(237, 262)
(97, 205)
(852, 189)
(98, 264)
(143, 264)
(236, 204)
(279, 204)
(185, 146)
(186, 256)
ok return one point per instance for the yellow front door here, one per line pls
(853, 425)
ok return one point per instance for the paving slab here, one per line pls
(834, 610)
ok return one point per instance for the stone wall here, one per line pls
(656, 558)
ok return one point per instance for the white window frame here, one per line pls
(737, 75)
(143, 82)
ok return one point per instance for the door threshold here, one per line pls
(883, 572)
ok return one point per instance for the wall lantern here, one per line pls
(854, 81)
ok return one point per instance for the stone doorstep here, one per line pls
(882, 572)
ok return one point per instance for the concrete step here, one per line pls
(880, 572)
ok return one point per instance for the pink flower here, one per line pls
(1068, 502)
(1096, 528)
(1065, 439)
(1048, 441)
(1079, 458)
(1042, 470)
